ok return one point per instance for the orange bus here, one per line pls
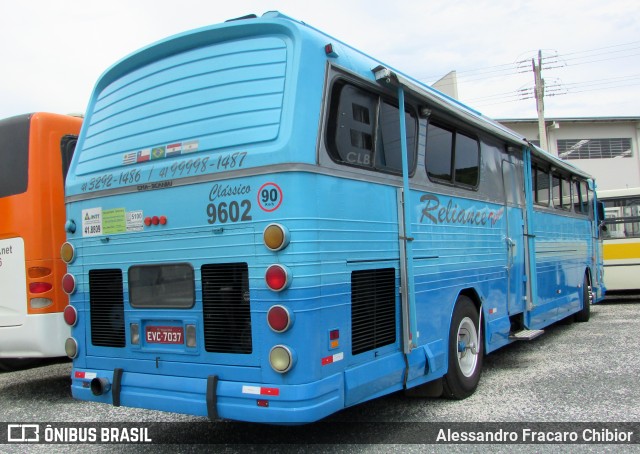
(35, 152)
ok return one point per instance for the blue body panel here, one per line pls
(217, 132)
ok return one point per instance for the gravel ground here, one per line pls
(573, 373)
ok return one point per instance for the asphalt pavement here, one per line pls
(578, 375)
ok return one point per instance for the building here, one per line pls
(605, 147)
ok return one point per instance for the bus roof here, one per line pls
(377, 71)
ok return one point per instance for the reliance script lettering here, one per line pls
(452, 213)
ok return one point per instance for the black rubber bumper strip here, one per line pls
(212, 399)
(117, 385)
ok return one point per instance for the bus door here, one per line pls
(514, 235)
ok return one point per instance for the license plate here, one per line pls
(164, 335)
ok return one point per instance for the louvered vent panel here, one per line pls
(226, 308)
(373, 309)
(107, 308)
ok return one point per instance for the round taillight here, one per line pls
(70, 315)
(163, 220)
(277, 277)
(67, 253)
(147, 221)
(279, 318)
(281, 358)
(68, 283)
(71, 347)
(155, 220)
(276, 237)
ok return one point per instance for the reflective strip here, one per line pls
(621, 251)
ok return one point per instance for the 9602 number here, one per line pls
(233, 211)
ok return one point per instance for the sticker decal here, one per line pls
(129, 158)
(160, 152)
(96, 221)
(92, 222)
(174, 149)
(332, 359)
(190, 146)
(135, 221)
(269, 197)
(143, 155)
(113, 221)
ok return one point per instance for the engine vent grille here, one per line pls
(373, 309)
(226, 308)
(106, 302)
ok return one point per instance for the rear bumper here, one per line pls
(253, 402)
(39, 336)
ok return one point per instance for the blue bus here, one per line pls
(265, 224)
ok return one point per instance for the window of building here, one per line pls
(594, 148)
(364, 130)
(452, 156)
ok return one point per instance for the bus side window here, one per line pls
(584, 197)
(364, 130)
(541, 186)
(354, 131)
(388, 146)
(565, 189)
(466, 164)
(555, 191)
(576, 197)
(439, 153)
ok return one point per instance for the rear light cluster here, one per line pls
(68, 255)
(39, 287)
(155, 220)
(70, 313)
(278, 278)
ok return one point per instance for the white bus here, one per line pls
(621, 239)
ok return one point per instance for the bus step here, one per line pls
(526, 334)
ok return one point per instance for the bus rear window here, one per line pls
(14, 155)
(169, 286)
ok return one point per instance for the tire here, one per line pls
(585, 312)
(465, 351)
(13, 364)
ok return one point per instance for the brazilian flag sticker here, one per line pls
(158, 153)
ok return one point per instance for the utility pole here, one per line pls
(539, 89)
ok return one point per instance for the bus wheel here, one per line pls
(585, 312)
(465, 351)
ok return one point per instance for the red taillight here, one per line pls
(70, 315)
(155, 220)
(277, 277)
(40, 287)
(279, 319)
(68, 283)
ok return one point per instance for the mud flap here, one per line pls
(212, 385)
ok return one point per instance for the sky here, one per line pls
(52, 52)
